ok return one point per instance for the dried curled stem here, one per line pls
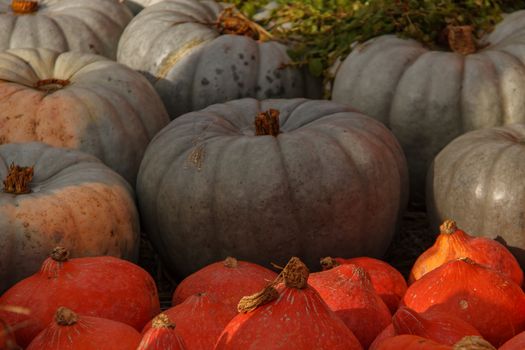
(60, 254)
(267, 123)
(461, 39)
(252, 302)
(162, 321)
(23, 6)
(473, 343)
(18, 179)
(328, 263)
(65, 317)
(231, 262)
(231, 21)
(448, 227)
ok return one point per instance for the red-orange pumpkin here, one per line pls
(162, 335)
(515, 343)
(102, 286)
(71, 331)
(200, 320)
(410, 342)
(484, 297)
(7, 337)
(294, 317)
(348, 292)
(453, 243)
(387, 281)
(227, 281)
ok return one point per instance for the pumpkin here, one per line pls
(80, 101)
(410, 342)
(287, 314)
(388, 282)
(479, 295)
(482, 172)
(332, 181)
(473, 343)
(102, 286)
(56, 196)
(428, 97)
(91, 26)
(162, 335)
(441, 327)
(7, 336)
(348, 291)
(453, 243)
(138, 5)
(515, 343)
(197, 53)
(227, 281)
(200, 320)
(70, 331)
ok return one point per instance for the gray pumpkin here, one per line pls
(75, 202)
(478, 181)
(427, 98)
(192, 65)
(332, 182)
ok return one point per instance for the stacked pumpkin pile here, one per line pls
(189, 123)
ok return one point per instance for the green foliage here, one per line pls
(321, 31)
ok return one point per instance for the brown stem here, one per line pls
(24, 7)
(60, 254)
(231, 262)
(252, 302)
(162, 321)
(461, 39)
(295, 274)
(51, 84)
(328, 263)
(473, 343)
(231, 21)
(18, 179)
(467, 260)
(448, 227)
(267, 123)
(65, 317)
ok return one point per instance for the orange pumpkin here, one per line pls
(515, 343)
(410, 342)
(453, 243)
(162, 335)
(287, 314)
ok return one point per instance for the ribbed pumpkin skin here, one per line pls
(76, 201)
(162, 337)
(427, 98)
(483, 297)
(95, 286)
(410, 342)
(482, 172)
(192, 65)
(89, 333)
(298, 319)
(515, 343)
(199, 320)
(333, 182)
(107, 109)
(224, 282)
(91, 26)
(138, 5)
(348, 292)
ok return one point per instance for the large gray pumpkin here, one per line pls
(333, 182)
(92, 26)
(192, 65)
(75, 202)
(81, 101)
(478, 180)
(427, 98)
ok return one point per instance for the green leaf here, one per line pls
(315, 66)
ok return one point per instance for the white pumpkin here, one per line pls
(138, 5)
(74, 201)
(81, 101)
(427, 98)
(178, 44)
(91, 26)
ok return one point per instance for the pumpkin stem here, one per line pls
(65, 317)
(23, 7)
(328, 263)
(460, 39)
(231, 21)
(448, 227)
(252, 302)
(18, 179)
(60, 254)
(231, 262)
(51, 85)
(267, 123)
(162, 321)
(473, 343)
(467, 260)
(295, 274)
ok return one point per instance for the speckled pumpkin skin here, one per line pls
(334, 181)
(90, 26)
(176, 44)
(107, 109)
(76, 202)
(427, 98)
(478, 180)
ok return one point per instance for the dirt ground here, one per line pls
(411, 240)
